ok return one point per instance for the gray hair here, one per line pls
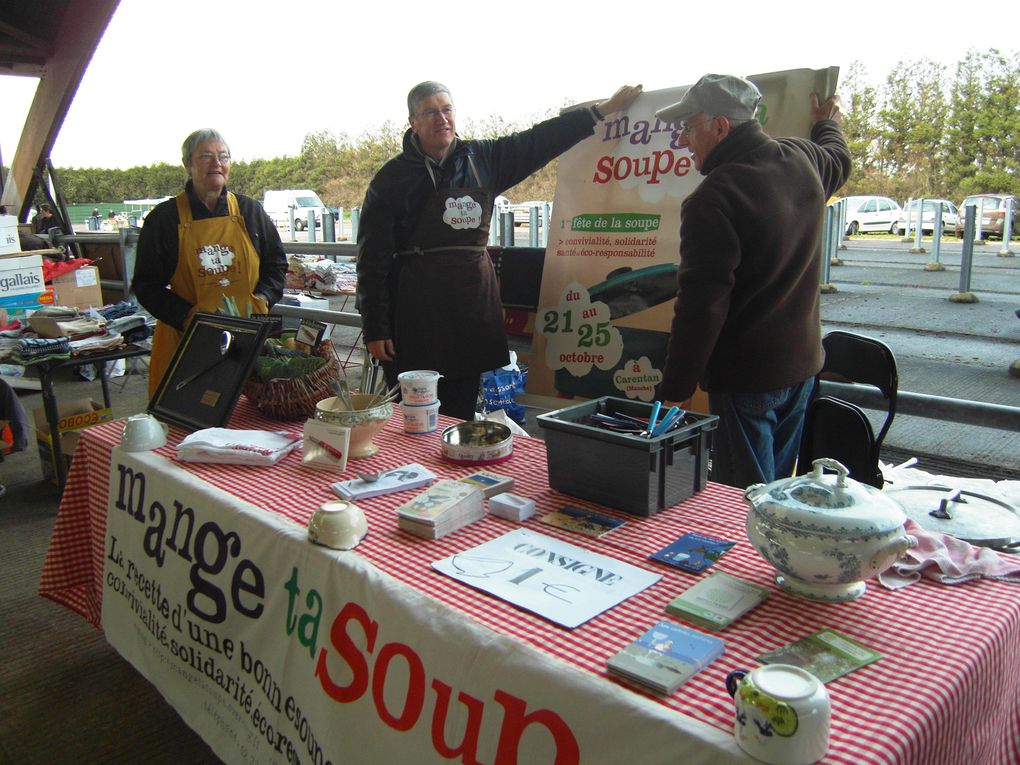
(421, 91)
(199, 136)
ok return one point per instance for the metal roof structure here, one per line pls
(52, 40)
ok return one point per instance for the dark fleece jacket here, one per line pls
(747, 310)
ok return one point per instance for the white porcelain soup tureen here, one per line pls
(825, 533)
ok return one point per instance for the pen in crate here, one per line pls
(644, 428)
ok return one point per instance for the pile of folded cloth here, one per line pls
(59, 332)
(237, 447)
(324, 276)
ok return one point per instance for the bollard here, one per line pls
(979, 236)
(964, 295)
(830, 218)
(293, 226)
(936, 241)
(831, 236)
(906, 223)
(546, 222)
(311, 225)
(533, 226)
(340, 224)
(918, 227)
(841, 213)
(1007, 229)
(328, 227)
(355, 220)
(506, 222)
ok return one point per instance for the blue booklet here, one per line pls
(692, 551)
(666, 656)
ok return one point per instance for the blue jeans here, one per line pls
(758, 436)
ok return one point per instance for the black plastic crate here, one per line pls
(631, 473)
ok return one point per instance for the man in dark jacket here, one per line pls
(426, 289)
(746, 322)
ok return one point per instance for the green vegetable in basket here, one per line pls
(268, 368)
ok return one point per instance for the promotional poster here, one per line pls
(609, 280)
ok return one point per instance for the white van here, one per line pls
(278, 204)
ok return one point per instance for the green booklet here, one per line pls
(827, 654)
(717, 601)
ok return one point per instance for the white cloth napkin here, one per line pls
(237, 447)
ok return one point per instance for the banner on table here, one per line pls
(276, 650)
(609, 279)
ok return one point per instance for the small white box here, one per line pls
(511, 506)
(9, 240)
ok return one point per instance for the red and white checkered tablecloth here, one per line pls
(947, 689)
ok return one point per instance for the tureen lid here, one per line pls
(828, 503)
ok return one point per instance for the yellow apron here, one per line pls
(215, 259)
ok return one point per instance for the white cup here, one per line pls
(782, 714)
(143, 432)
(420, 419)
(338, 524)
(419, 386)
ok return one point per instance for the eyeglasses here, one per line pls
(431, 114)
(208, 156)
(684, 127)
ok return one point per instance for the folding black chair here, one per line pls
(859, 359)
(834, 427)
(841, 431)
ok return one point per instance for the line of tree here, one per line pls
(923, 132)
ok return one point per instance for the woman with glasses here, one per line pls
(205, 245)
(426, 288)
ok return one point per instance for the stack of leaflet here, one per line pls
(444, 507)
(665, 657)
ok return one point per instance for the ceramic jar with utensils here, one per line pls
(419, 400)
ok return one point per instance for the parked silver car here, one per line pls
(992, 209)
(871, 213)
(950, 216)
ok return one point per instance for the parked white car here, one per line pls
(950, 216)
(871, 213)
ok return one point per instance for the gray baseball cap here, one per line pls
(716, 95)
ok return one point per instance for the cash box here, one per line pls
(629, 472)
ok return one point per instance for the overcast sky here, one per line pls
(266, 74)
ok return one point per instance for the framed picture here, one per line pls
(207, 372)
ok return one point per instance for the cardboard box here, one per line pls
(79, 288)
(21, 284)
(636, 474)
(72, 417)
(9, 239)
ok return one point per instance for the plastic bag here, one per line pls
(500, 386)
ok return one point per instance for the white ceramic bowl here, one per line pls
(825, 534)
(338, 524)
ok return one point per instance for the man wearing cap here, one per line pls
(746, 322)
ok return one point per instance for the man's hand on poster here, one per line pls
(829, 110)
(621, 99)
(381, 349)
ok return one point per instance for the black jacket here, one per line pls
(158, 247)
(400, 188)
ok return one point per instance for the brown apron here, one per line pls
(449, 316)
(216, 258)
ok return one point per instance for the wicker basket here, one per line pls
(295, 398)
